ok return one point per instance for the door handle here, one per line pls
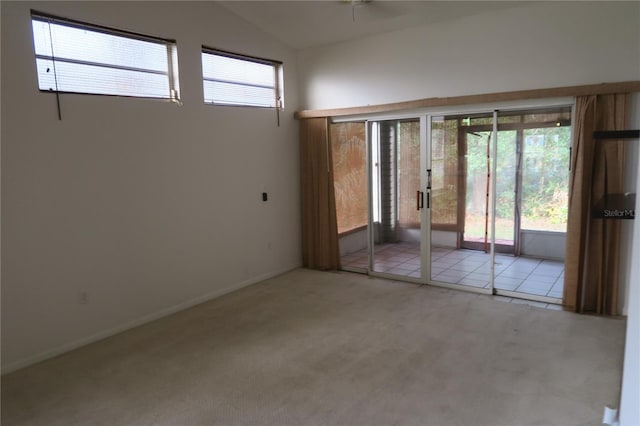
(419, 200)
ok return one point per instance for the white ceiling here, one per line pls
(302, 24)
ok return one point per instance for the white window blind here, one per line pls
(82, 58)
(231, 79)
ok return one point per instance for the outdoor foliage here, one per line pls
(545, 180)
(545, 176)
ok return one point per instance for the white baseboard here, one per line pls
(142, 320)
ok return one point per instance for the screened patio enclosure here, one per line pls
(434, 199)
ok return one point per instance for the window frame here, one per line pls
(278, 87)
(173, 93)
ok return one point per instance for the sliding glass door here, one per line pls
(466, 200)
(487, 169)
(396, 197)
(460, 215)
(476, 140)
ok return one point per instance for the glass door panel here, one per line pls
(476, 210)
(506, 172)
(396, 197)
(542, 139)
(476, 133)
(459, 163)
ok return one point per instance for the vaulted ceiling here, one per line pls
(302, 24)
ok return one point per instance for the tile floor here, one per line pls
(467, 267)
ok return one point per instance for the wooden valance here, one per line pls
(556, 92)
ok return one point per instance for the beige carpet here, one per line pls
(313, 348)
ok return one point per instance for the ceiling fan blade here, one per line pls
(377, 10)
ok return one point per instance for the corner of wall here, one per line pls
(629, 407)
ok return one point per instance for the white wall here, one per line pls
(629, 406)
(627, 232)
(545, 44)
(144, 205)
(444, 239)
(543, 244)
(353, 242)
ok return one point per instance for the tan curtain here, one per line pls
(319, 223)
(593, 245)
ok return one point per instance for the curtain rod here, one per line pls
(556, 92)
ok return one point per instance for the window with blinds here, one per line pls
(77, 57)
(232, 79)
